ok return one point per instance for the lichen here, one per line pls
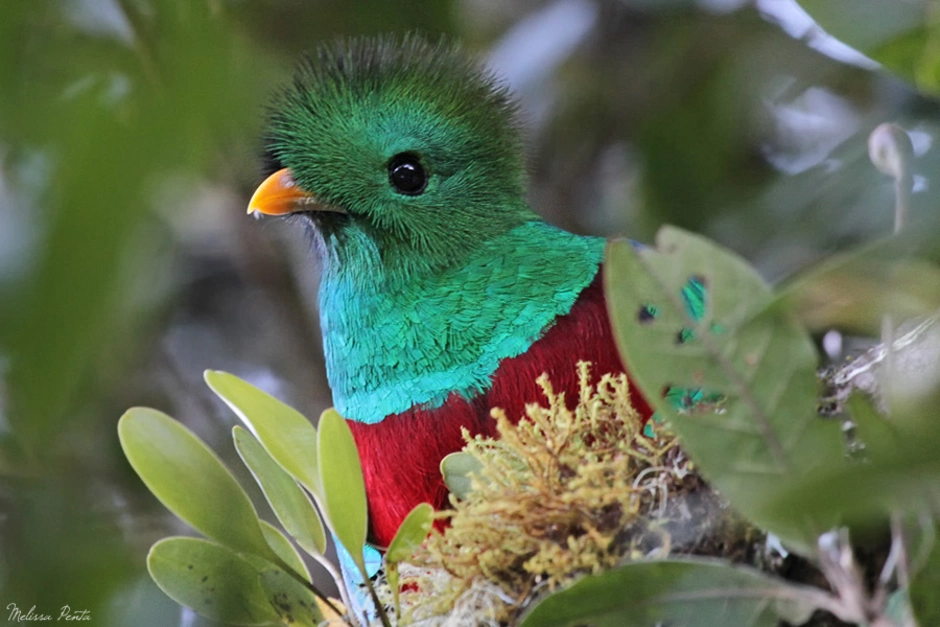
(560, 493)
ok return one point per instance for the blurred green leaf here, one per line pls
(853, 291)
(289, 502)
(212, 580)
(874, 430)
(98, 117)
(344, 490)
(925, 584)
(763, 433)
(392, 576)
(679, 593)
(284, 432)
(190, 480)
(412, 532)
(904, 478)
(294, 603)
(153, 103)
(901, 35)
(284, 549)
(456, 469)
(291, 25)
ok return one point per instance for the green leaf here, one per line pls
(902, 479)
(756, 428)
(392, 576)
(190, 480)
(344, 491)
(456, 469)
(294, 603)
(412, 532)
(284, 549)
(678, 593)
(877, 434)
(900, 35)
(283, 431)
(212, 580)
(854, 290)
(289, 502)
(924, 600)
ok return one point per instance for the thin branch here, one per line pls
(383, 616)
(309, 586)
(340, 584)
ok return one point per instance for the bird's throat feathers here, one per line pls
(397, 335)
(379, 256)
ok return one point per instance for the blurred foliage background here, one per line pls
(130, 142)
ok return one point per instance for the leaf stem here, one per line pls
(383, 616)
(891, 151)
(340, 583)
(306, 584)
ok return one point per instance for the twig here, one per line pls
(837, 563)
(890, 149)
(383, 616)
(340, 583)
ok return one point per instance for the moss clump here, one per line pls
(563, 492)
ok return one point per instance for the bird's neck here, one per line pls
(393, 341)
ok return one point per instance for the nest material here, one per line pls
(561, 493)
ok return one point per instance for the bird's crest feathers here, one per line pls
(358, 105)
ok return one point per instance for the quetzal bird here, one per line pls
(442, 293)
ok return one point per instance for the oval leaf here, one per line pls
(283, 431)
(694, 318)
(294, 603)
(210, 579)
(344, 491)
(284, 549)
(456, 469)
(412, 532)
(690, 593)
(190, 480)
(289, 502)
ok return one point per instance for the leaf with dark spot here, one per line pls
(743, 402)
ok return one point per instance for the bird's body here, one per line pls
(442, 294)
(401, 454)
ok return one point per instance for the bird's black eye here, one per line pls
(406, 174)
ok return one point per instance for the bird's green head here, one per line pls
(400, 151)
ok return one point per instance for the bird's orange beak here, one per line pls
(279, 195)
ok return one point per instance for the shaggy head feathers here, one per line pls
(355, 105)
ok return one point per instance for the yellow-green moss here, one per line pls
(562, 492)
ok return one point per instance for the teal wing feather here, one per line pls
(693, 294)
(359, 598)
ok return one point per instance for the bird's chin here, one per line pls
(322, 220)
(321, 225)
